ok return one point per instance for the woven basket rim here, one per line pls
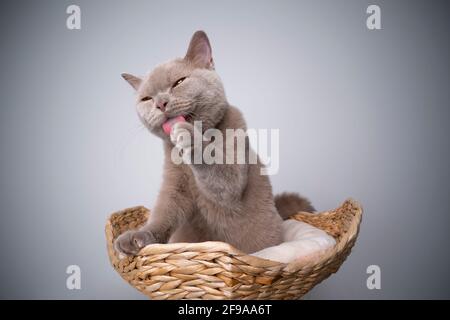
(218, 246)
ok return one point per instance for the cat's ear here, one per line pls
(199, 52)
(134, 81)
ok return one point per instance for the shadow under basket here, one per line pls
(217, 270)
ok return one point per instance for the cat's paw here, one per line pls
(182, 136)
(130, 242)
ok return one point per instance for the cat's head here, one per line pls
(189, 87)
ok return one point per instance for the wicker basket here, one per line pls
(216, 270)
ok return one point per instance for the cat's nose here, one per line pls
(161, 105)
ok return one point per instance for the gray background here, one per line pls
(362, 114)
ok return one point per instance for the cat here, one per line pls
(232, 203)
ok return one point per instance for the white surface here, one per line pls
(301, 240)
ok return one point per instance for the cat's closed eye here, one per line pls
(178, 82)
(146, 99)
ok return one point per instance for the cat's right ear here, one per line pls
(199, 51)
(134, 81)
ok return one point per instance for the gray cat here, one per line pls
(232, 203)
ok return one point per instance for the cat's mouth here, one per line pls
(170, 122)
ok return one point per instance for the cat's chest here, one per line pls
(209, 209)
(192, 187)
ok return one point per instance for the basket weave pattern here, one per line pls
(216, 270)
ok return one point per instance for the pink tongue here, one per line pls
(167, 126)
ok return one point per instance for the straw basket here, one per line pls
(216, 270)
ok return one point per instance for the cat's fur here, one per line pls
(199, 202)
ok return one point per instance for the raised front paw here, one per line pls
(183, 137)
(131, 242)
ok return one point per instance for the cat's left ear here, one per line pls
(199, 52)
(134, 81)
